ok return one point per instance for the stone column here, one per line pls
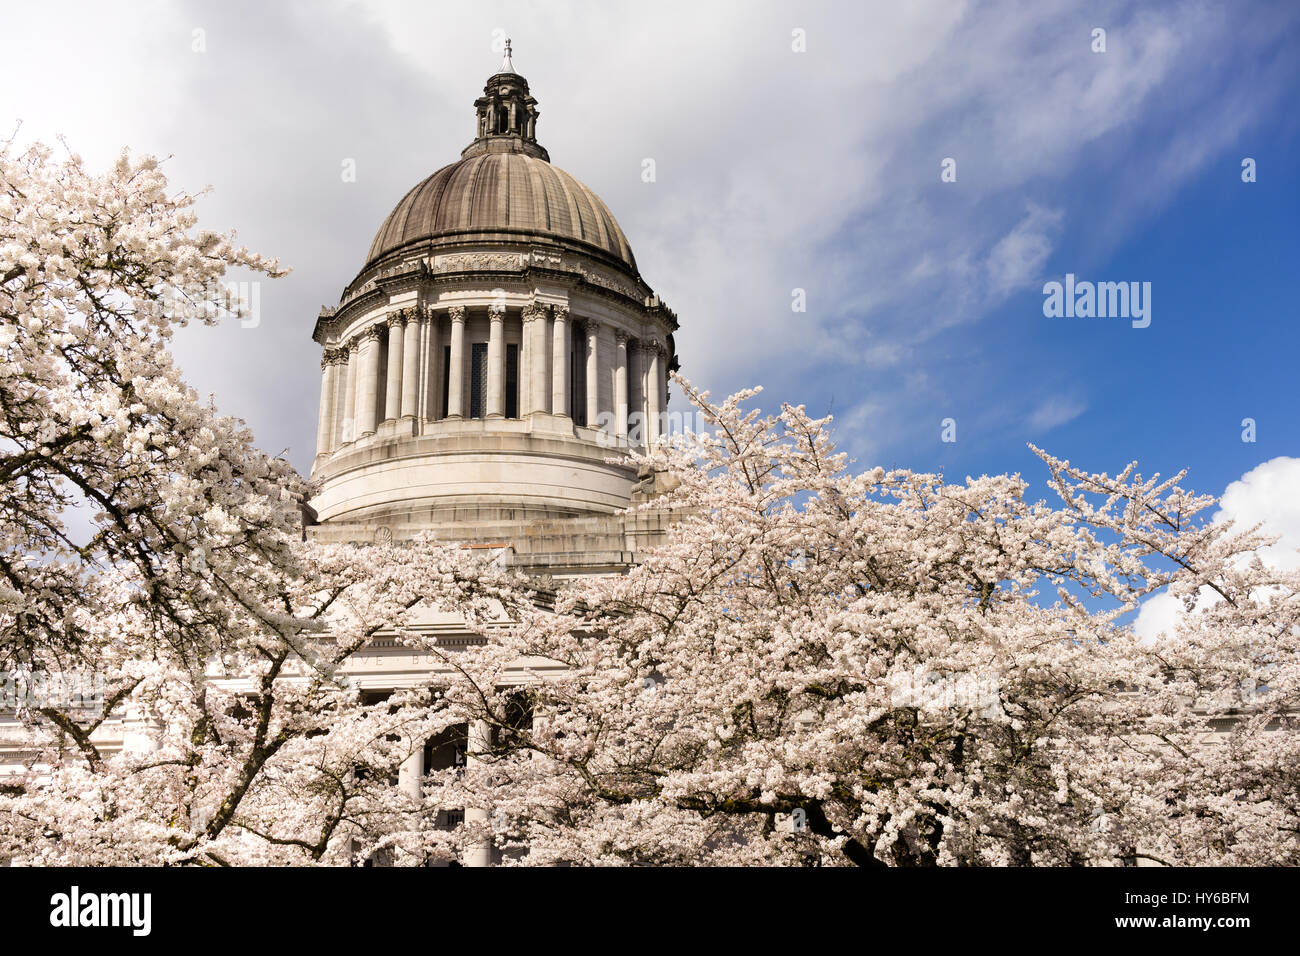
(665, 376)
(480, 741)
(653, 391)
(368, 382)
(325, 424)
(421, 324)
(431, 381)
(349, 431)
(456, 380)
(593, 373)
(410, 775)
(525, 364)
(339, 359)
(393, 387)
(560, 361)
(535, 315)
(620, 384)
(410, 366)
(496, 364)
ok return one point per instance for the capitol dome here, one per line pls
(497, 350)
(509, 193)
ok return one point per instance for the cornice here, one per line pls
(527, 269)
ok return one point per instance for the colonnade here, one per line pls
(423, 364)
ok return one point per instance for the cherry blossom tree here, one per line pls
(890, 668)
(95, 273)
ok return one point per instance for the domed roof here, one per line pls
(502, 192)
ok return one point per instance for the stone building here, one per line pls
(497, 347)
(480, 377)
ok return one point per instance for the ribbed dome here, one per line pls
(502, 192)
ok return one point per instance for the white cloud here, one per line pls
(1055, 411)
(1159, 614)
(858, 431)
(1267, 495)
(1019, 256)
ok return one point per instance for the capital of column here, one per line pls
(456, 313)
(353, 344)
(397, 319)
(621, 337)
(372, 332)
(531, 313)
(560, 311)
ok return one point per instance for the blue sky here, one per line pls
(1223, 258)
(776, 170)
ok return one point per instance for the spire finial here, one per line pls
(506, 65)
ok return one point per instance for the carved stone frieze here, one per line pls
(479, 262)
